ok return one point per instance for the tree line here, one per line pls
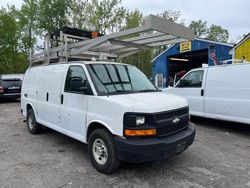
(21, 28)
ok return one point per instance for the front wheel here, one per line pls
(102, 151)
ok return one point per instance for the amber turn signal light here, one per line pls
(94, 34)
(143, 132)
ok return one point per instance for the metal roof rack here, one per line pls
(74, 33)
(233, 61)
(154, 32)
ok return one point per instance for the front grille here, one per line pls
(167, 122)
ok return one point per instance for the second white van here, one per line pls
(220, 92)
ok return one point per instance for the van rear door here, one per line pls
(191, 86)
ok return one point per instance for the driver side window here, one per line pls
(192, 80)
(76, 81)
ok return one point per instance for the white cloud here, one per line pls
(232, 15)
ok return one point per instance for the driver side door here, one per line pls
(191, 87)
(74, 102)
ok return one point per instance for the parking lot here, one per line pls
(220, 157)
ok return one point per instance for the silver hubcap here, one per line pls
(31, 122)
(100, 152)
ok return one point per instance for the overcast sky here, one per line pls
(232, 15)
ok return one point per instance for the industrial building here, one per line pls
(184, 56)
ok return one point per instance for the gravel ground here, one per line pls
(220, 157)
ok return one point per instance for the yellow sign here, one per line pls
(185, 46)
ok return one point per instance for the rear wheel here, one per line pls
(102, 151)
(32, 125)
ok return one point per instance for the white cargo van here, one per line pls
(112, 107)
(220, 92)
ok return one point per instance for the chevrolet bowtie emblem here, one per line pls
(176, 120)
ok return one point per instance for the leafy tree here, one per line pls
(105, 16)
(133, 19)
(52, 15)
(217, 33)
(8, 30)
(77, 13)
(28, 23)
(214, 32)
(11, 60)
(173, 16)
(199, 27)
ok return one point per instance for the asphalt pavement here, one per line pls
(219, 157)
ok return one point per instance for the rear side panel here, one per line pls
(49, 93)
(41, 89)
(29, 88)
(227, 93)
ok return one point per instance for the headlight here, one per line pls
(140, 120)
(134, 120)
(138, 125)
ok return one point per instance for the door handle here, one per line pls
(61, 98)
(202, 92)
(47, 96)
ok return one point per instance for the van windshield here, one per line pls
(111, 79)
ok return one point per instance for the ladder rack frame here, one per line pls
(154, 32)
(233, 61)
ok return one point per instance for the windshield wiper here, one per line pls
(148, 90)
(119, 91)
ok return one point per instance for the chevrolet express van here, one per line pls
(220, 92)
(112, 107)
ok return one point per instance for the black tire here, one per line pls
(112, 162)
(32, 125)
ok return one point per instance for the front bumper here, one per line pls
(137, 150)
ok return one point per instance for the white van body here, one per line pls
(220, 92)
(77, 114)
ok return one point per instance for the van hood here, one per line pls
(150, 102)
